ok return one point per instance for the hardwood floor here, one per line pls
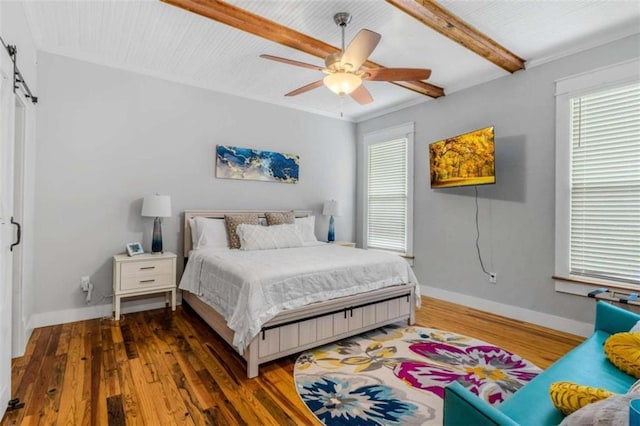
(159, 367)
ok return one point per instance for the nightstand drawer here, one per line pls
(146, 268)
(141, 282)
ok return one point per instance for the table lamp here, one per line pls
(156, 206)
(331, 208)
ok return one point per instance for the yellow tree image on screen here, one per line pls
(466, 159)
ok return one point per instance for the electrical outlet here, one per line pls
(84, 282)
(493, 278)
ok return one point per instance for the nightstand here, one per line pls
(143, 274)
(344, 243)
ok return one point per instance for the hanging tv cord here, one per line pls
(18, 80)
(478, 235)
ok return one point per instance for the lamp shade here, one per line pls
(156, 206)
(331, 208)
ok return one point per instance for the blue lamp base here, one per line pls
(156, 240)
(332, 231)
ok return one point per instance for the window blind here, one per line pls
(387, 196)
(605, 184)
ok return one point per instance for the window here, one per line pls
(388, 211)
(598, 201)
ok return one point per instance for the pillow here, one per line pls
(209, 233)
(232, 222)
(307, 228)
(635, 328)
(611, 411)
(256, 237)
(635, 387)
(569, 397)
(623, 350)
(279, 218)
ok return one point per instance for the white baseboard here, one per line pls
(91, 312)
(539, 318)
(534, 317)
(22, 343)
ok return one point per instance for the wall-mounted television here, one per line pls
(462, 160)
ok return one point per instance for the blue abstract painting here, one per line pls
(233, 162)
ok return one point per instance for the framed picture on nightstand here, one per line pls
(134, 248)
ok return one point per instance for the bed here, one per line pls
(268, 304)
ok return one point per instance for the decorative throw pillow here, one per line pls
(613, 411)
(623, 350)
(279, 218)
(258, 237)
(569, 397)
(232, 222)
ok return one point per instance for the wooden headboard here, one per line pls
(219, 214)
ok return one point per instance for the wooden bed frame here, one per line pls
(309, 326)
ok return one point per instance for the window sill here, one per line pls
(406, 256)
(617, 292)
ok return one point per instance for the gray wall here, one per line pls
(108, 137)
(516, 214)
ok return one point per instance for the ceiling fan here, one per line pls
(344, 69)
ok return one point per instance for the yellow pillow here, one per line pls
(569, 397)
(623, 350)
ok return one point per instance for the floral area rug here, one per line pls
(396, 375)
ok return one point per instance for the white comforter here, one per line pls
(249, 288)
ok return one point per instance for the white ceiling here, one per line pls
(158, 39)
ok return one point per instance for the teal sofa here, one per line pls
(531, 405)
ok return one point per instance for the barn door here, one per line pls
(7, 228)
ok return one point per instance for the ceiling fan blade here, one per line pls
(361, 95)
(292, 62)
(306, 88)
(360, 48)
(396, 74)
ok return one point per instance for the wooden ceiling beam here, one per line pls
(244, 20)
(446, 23)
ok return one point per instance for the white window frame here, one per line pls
(567, 88)
(402, 131)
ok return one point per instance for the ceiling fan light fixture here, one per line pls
(342, 83)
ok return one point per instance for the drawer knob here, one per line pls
(147, 267)
(146, 281)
